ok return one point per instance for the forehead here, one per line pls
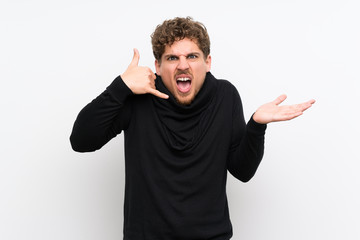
(182, 47)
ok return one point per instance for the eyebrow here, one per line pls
(175, 55)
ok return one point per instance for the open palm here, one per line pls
(272, 112)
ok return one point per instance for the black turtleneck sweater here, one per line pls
(176, 156)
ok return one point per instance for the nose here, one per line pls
(183, 63)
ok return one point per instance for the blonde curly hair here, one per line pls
(177, 29)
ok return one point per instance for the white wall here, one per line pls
(55, 56)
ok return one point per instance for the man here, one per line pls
(184, 129)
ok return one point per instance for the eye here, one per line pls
(192, 56)
(172, 58)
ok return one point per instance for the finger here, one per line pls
(306, 105)
(152, 75)
(285, 116)
(152, 84)
(279, 99)
(158, 93)
(312, 101)
(136, 57)
(294, 115)
(152, 78)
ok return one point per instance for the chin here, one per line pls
(185, 101)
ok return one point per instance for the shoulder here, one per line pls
(229, 94)
(225, 84)
(221, 83)
(226, 88)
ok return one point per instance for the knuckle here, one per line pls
(149, 70)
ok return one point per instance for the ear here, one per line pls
(157, 67)
(208, 63)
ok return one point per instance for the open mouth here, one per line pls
(183, 84)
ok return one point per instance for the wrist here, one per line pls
(257, 119)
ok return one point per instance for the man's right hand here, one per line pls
(141, 80)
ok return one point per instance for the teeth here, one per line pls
(183, 79)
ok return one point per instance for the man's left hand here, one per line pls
(272, 112)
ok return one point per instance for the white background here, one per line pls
(56, 56)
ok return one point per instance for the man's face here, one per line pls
(183, 68)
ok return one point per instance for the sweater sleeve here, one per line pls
(103, 118)
(247, 147)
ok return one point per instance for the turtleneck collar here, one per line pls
(184, 125)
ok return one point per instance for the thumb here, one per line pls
(136, 57)
(279, 99)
